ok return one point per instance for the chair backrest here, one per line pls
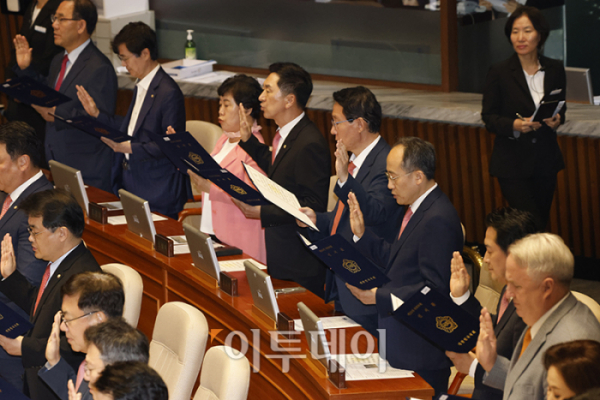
(487, 291)
(588, 301)
(226, 375)
(332, 199)
(205, 133)
(133, 288)
(178, 346)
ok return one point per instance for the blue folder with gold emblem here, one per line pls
(439, 320)
(186, 153)
(9, 392)
(11, 323)
(347, 262)
(29, 91)
(95, 128)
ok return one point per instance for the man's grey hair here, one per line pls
(544, 255)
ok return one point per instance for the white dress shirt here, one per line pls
(285, 130)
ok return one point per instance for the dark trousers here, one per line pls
(534, 195)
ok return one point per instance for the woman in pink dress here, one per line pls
(220, 216)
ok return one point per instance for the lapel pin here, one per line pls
(58, 276)
(285, 146)
(152, 96)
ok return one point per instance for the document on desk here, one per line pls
(278, 195)
(369, 368)
(347, 262)
(120, 219)
(438, 319)
(12, 324)
(337, 322)
(238, 265)
(180, 244)
(29, 91)
(186, 153)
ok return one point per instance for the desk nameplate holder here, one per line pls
(263, 318)
(203, 277)
(139, 240)
(229, 284)
(164, 245)
(98, 213)
(337, 374)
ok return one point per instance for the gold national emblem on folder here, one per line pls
(445, 324)
(237, 189)
(351, 266)
(1, 316)
(101, 131)
(38, 93)
(195, 158)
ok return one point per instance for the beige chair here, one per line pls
(205, 133)
(225, 376)
(178, 346)
(133, 288)
(588, 301)
(332, 199)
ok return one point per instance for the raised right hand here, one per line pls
(88, 103)
(486, 342)
(357, 222)
(245, 125)
(8, 263)
(460, 279)
(22, 51)
(53, 346)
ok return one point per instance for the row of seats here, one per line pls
(178, 346)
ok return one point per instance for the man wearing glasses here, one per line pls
(80, 64)
(88, 299)
(56, 223)
(356, 119)
(424, 242)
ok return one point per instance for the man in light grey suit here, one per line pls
(539, 270)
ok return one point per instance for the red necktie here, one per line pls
(276, 140)
(340, 209)
(5, 206)
(42, 287)
(405, 220)
(503, 305)
(63, 69)
(80, 373)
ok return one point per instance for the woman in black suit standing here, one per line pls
(526, 156)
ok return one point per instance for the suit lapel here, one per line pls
(77, 67)
(365, 168)
(14, 208)
(289, 142)
(519, 77)
(148, 99)
(510, 309)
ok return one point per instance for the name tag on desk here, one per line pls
(40, 29)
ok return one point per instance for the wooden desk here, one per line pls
(174, 279)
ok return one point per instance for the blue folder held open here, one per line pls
(30, 91)
(438, 319)
(95, 128)
(347, 262)
(186, 153)
(11, 323)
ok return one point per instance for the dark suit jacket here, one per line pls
(24, 294)
(72, 147)
(505, 94)
(57, 378)
(149, 173)
(370, 188)
(508, 331)
(420, 257)
(302, 166)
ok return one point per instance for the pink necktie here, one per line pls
(503, 305)
(340, 209)
(80, 373)
(42, 287)
(276, 140)
(61, 75)
(405, 220)
(5, 206)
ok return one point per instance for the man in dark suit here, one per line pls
(539, 270)
(81, 64)
(56, 224)
(356, 120)
(20, 175)
(429, 233)
(300, 162)
(37, 29)
(140, 167)
(504, 227)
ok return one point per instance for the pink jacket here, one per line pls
(229, 223)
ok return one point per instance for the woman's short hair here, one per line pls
(537, 19)
(244, 89)
(578, 362)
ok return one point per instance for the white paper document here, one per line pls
(338, 322)
(369, 368)
(278, 195)
(120, 219)
(238, 265)
(180, 244)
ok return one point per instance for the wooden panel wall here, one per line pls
(462, 172)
